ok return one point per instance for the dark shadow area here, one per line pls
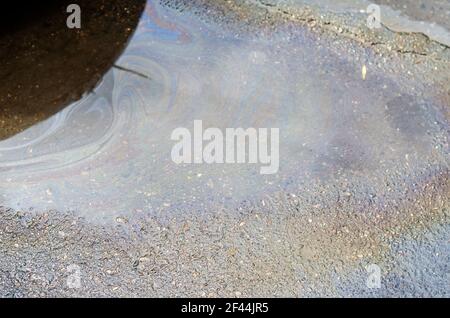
(44, 65)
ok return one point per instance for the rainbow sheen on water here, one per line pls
(109, 153)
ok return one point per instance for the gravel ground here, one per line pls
(296, 245)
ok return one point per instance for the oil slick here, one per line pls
(110, 152)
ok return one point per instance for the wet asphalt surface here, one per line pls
(291, 245)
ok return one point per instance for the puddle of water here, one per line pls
(110, 153)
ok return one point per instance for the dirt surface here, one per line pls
(45, 65)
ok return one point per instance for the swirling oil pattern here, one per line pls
(110, 152)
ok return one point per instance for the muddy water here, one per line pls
(109, 154)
